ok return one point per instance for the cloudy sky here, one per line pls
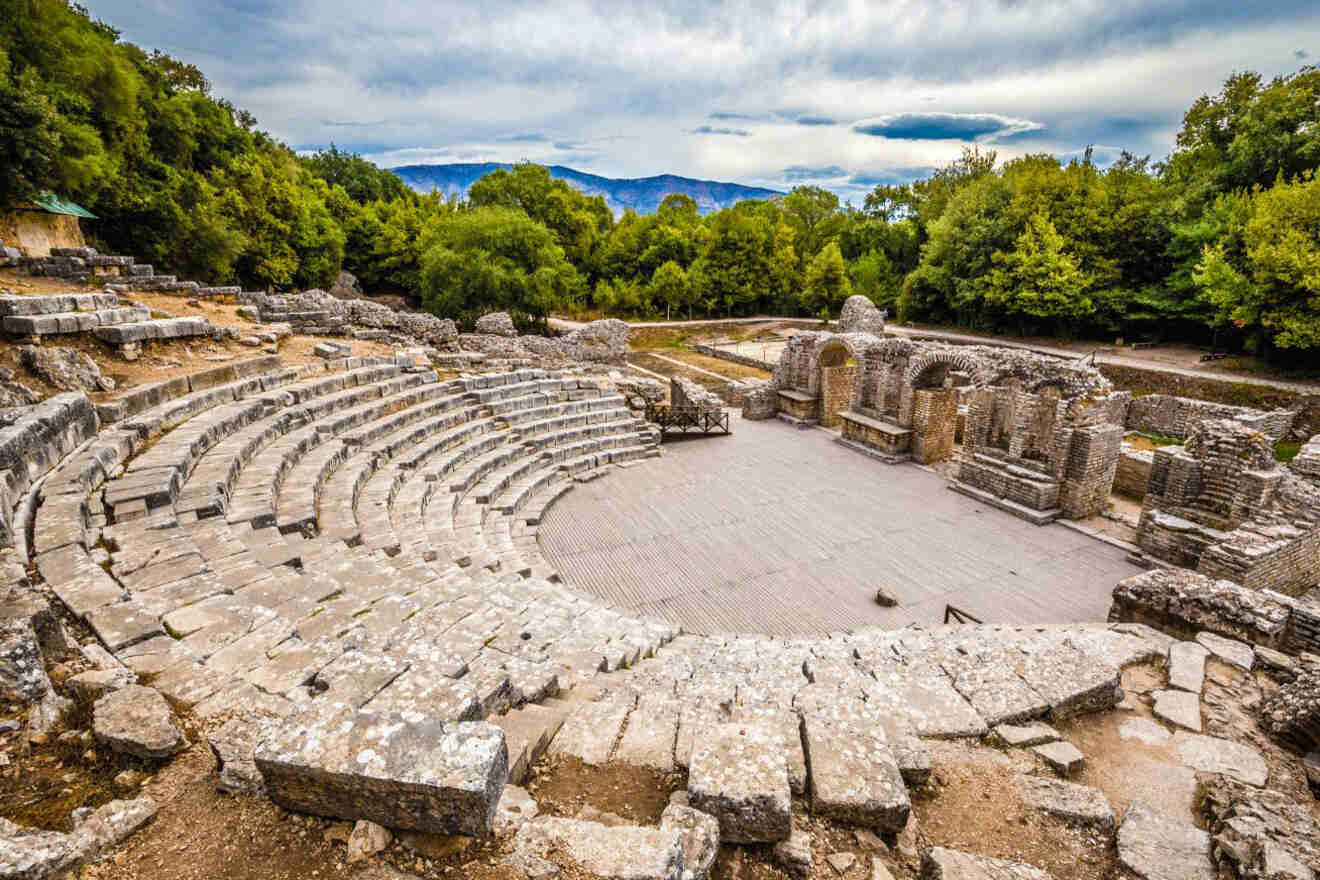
(841, 94)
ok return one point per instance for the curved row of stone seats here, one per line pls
(240, 618)
(33, 441)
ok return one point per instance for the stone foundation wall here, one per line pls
(1183, 603)
(759, 400)
(1132, 475)
(934, 423)
(1287, 565)
(986, 474)
(732, 357)
(1179, 417)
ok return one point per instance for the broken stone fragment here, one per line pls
(1062, 757)
(701, 838)
(516, 808)
(1075, 804)
(1025, 735)
(137, 721)
(939, 863)
(96, 683)
(233, 746)
(794, 853)
(367, 839)
(627, 852)
(1155, 847)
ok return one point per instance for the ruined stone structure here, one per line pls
(1041, 436)
(1221, 504)
(1169, 416)
(859, 315)
(335, 568)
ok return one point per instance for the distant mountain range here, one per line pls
(642, 194)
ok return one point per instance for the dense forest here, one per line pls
(1219, 241)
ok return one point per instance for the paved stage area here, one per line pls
(780, 531)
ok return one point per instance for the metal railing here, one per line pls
(957, 615)
(687, 419)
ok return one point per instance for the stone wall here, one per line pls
(1183, 603)
(685, 394)
(732, 357)
(1169, 416)
(1132, 474)
(758, 400)
(1088, 474)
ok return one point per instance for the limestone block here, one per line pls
(1062, 757)
(137, 721)
(399, 770)
(1187, 666)
(1182, 708)
(738, 773)
(1209, 754)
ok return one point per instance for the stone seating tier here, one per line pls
(414, 600)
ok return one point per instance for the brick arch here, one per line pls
(955, 361)
(856, 350)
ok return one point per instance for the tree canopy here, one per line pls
(1221, 238)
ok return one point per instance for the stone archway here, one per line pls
(836, 377)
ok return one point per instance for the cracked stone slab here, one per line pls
(1073, 803)
(855, 777)
(1180, 708)
(926, 698)
(622, 852)
(1230, 651)
(1209, 754)
(123, 624)
(1157, 848)
(136, 720)
(1144, 730)
(738, 773)
(648, 739)
(939, 863)
(400, 770)
(1187, 666)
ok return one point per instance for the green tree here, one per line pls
(1264, 277)
(670, 286)
(827, 284)
(1039, 278)
(495, 258)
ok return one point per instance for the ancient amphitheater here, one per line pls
(392, 591)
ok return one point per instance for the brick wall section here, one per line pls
(934, 421)
(1088, 475)
(1287, 563)
(836, 392)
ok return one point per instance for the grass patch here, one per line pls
(1286, 450)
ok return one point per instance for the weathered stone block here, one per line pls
(399, 770)
(738, 774)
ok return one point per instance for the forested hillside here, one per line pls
(1221, 239)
